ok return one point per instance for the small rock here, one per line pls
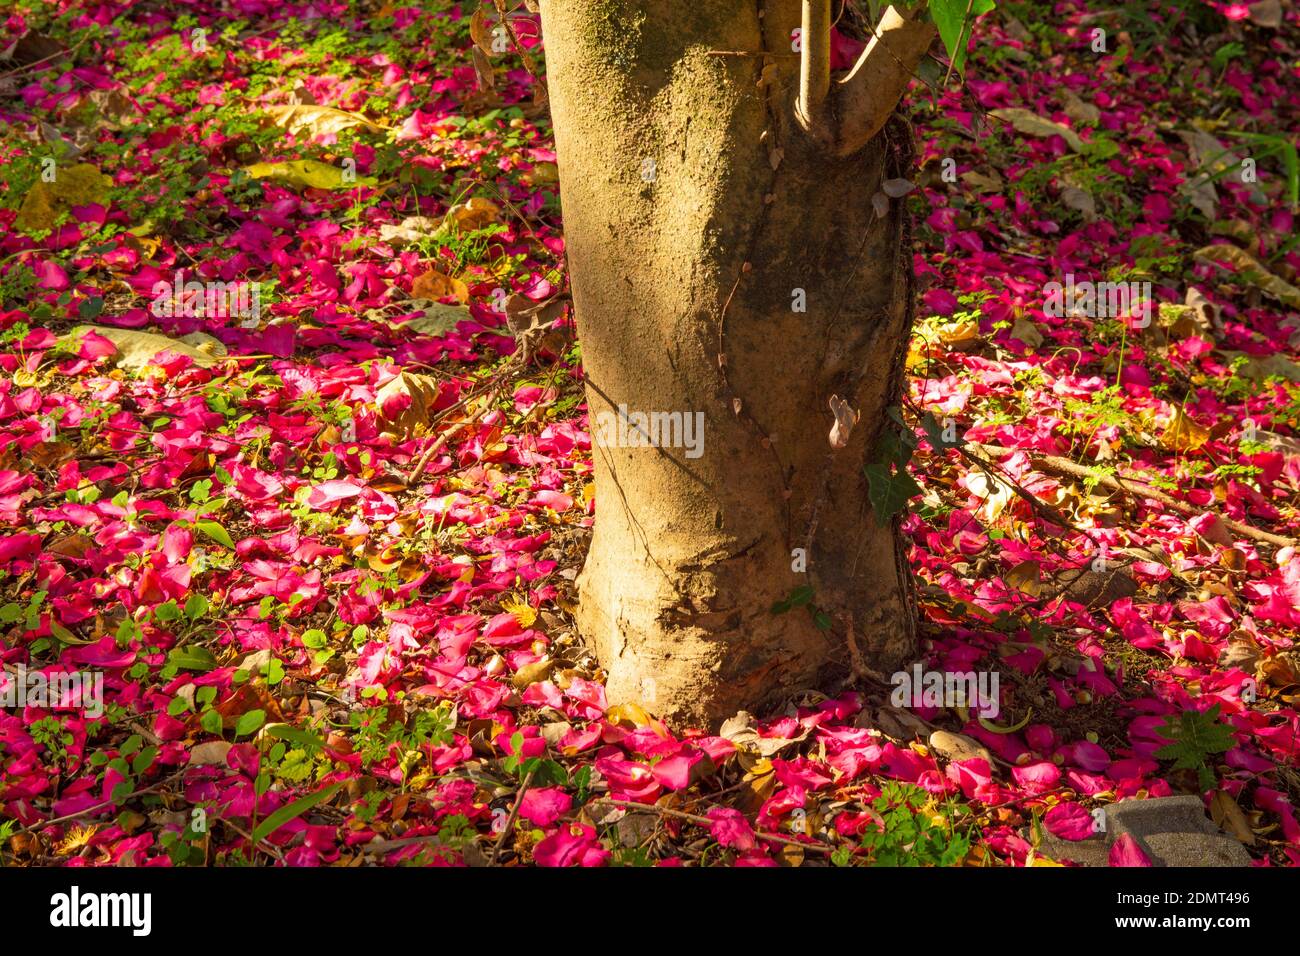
(958, 746)
(1090, 852)
(1171, 831)
(1174, 831)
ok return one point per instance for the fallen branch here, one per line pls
(510, 820)
(815, 846)
(1134, 488)
(441, 441)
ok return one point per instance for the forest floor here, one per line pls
(320, 551)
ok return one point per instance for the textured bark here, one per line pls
(684, 289)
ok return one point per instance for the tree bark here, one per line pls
(700, 210)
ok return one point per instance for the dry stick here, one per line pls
(262, 845)
(998, 473)
(1137, 489)
(510, 820)
(706, 822)
(95, 808)
(45, 59)
(441, 442)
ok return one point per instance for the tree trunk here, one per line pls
(702, 209)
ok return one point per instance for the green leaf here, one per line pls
(196, 606)
(934, 432)
(211, 722)
(248, 723)
(305, 739)
(67, 637)
(307, 173)
(88, 309)
(955, 20)
(215, 531)
(797, 598)
(888, 490)
(192, 658)
(291, 811)
(143, 760)
(1196, 737)
(167, 612)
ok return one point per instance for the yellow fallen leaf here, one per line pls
(543, 174)
(384, 561)
(319, 120)
(479, 32)
(78, 185)
(1031, 124)
(437, 285)
(1183, 434)
(791, 854)
(1251, 270)
(960, 335)
(405, 402)
(306, 173)
(634, 716)
(1228, 815)
(1025, 577)
(475, 214)
(137, 349)
(532, 673)
(438, 319)
(1258, 368)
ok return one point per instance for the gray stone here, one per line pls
(1172, 831)
(1090, 852)
(1195, 849)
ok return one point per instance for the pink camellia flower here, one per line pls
(730, 828)
(1069, 821)
(555, 500)
(674, 772)
(1085, 754)
(573, 845)
(94, 346)
(50, 275)
(1236, 11)
(1037, 777)
(544, 805)
(1126, 852)
(329, 493)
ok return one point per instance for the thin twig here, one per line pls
(441, 441)
(815, 846)
(36, 827)
(1137, 489)
(510, 820)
